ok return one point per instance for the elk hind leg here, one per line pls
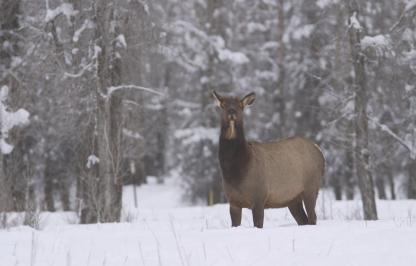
(297, 211)
(310, 203)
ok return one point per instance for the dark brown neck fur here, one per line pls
(233, 154)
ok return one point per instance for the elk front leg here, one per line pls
(258, 215)
(235, 213)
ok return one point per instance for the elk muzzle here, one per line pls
(230, 133)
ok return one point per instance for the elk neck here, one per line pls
(233, 153)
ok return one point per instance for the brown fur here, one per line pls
(284, 173)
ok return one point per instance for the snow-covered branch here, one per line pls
(390, 132)
(9, 120)
(66, 9)
(114, 89)
(354, 23)
(80, 73)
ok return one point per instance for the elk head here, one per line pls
(232, 112)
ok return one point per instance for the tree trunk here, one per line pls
(381, 188)
(411, 186)
(109, 115)
(279, 98)
(48, 186)
(391, 184)
(64, 193)
(87, 203)
(349, 173)
(362, 154)
(336, 185)
(13, 183)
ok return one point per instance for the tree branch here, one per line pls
(114, 89)
(391, 133)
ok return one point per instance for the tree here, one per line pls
(362, 154)
(13, 166)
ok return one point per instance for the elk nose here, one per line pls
(232, 114)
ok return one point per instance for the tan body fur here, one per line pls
(278, 173)
(285, 173)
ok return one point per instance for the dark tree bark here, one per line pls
(279, 95)
(381, 187)
(411, 186)
(109, 116)
(392, 186)
(349, 174)
(362, 154)
(48, 186)
(87, 178)
(337, 187)
(13, 181)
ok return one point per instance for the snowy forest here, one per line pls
(99, 94)
(110, 133)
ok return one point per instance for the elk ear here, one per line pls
(218, 98)
(248, 99)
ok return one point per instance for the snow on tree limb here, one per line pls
(114, 89)
(92, 160)
(354, 23)
(65, 9)
(217, 42)
(80, 73)
(9, 120)
(378, 42)
(390, 132)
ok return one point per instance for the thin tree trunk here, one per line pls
(336, 185)
(109, 115)
(391, 184)
(411, 186)
(48, 186)
(381, 188)
(411, 192)
(362, 154)
(281, 55)
(349, 174)
(64, 194)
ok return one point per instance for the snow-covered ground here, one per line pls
(161, 231)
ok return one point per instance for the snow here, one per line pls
(5, 147)
(113, 89)
(378, 41)
(192, 135)
(121, 41)
(234, 57)
(354, 23)
(410, 5)
(303, 32)
(9, 120)
(153, 196)
(162, 231)
(65, 9)
(132, 134)
(88, 24)
(406, 142)
(92, 160)
(254, 27)
(324, 3)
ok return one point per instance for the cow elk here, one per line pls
(260, 175)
